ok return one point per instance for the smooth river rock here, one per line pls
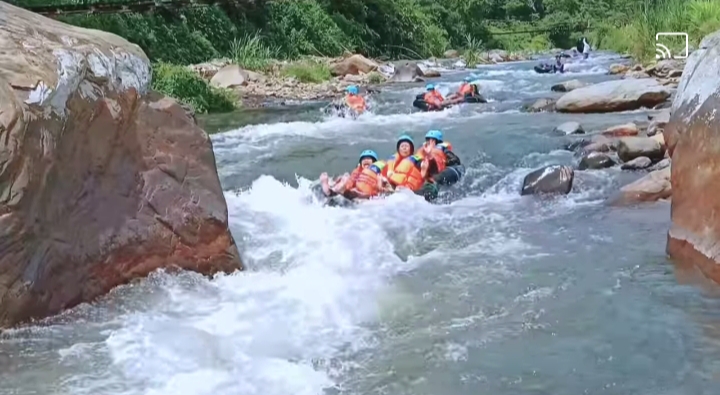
(641, 162)
(629, 148)
(101, 181)
(654, 186)
(693, 140)
(570, 127)
(627, 129)
(407, 72)
(567, 86)
(548, 180)
(595, 160)
(617, 95)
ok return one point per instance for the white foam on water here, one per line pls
(266, 136)
(313, 278)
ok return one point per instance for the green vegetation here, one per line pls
(637, 35)
(251, 53)
(186, 86)
(308, 70)
(375, 78)
(256, 32)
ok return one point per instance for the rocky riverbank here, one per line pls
(631, 146)
(275, 87)
(677, 147)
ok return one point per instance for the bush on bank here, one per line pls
(288, 29)
(190, 88)
(636, 36)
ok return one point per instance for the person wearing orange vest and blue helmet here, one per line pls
(438, 149)
(466, 89)
(361, 183)
(354, 101)
(441, 157)
(404, 147)
(410, 172)
(433, 98)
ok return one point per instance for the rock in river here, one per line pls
(101, 181)
(570, 127)
(595, 160)
(627, 129)
(407, 72)
(617, 95)
(539, 105)
(641, 162)
(654, 186)
(548, 180)
(567, 86)
(693, 139)
(629, 148)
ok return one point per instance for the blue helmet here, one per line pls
(430, 87)
(368, 153)
(435, 134)
(467, 79)
(352, 89)
(407, 138)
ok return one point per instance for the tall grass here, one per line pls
(697, 18)
(252, 53)
(307, 70)
(473, 50)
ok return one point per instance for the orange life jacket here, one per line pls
(391, 163)
(407, 174)
(443, 147)
(433, 98)
(354, 177)
(368, 177)
(466, 89)
(356, 102)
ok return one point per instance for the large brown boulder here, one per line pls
(101, 181)
(693, 140)
(616, 95)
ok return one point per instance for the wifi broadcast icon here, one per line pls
(663, 52)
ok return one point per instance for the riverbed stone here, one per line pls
(693, 139)
(101, 180)
(354, 64)
(407, 72)
(229, 76)
(636, 74)
(567, 86)
(658, 122)
(570, 127)
(595, 160)
(652, 187)
(540, 105)
(618, 68)
(600, 143)
(616, 95)
(548, 180)
(641, 162)
(626, 129)
(629, 148)
(661, 165)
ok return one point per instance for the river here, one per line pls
(485, 293)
